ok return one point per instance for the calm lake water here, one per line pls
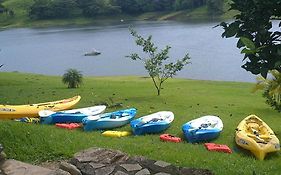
(53, 50)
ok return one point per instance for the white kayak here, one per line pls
(74, 115)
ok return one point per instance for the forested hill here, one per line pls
(28, 11)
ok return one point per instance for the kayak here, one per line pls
(109, 120)
(255, 135)
(170, 138)
(116, 133)
(69, 116)
(153, 123)
(202, 129)
(31, 110)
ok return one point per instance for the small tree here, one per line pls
(73, 78)
(154, 62)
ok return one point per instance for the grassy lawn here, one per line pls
(188, 99)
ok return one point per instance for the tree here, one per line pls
(215, 7)
(92, 8)
(73, 78)
(154, 62)
(271, 88)
(260, 44)
(46, 9)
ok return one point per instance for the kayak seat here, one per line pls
(113, 116)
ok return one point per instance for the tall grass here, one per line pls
(188, 99)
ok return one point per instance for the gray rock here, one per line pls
(96, 165)
(59, 172)
(143, 172)
(14, 167)
(105, 170)
(99, 155)
(86, 169)
(161, 173)
(120, 173)
(162, 163)
(131, 167)
(73, 170)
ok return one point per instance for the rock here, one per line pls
(143, 172)
(96, 165)
(131, 167)
(73, 170)
(162, 164)
(161, 173)
(120, 173)
(105, 170)
(86, 169)
(14, 167)
(59, 172)
(99, 155)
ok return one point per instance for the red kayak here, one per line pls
(218, 147)
(68, 125)
(170, 138)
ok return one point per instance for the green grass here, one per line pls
(188, 99)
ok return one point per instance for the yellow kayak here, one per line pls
(31, 110)
(256, 136)
(116, 133)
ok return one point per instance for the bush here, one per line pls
(73, 78)
(272, 89)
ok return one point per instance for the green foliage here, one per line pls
(215, 7)
(46, 9)
(72, 78)
(182, 4)
(154, 63)
(271, 88)
(92, 8)
(260, 44)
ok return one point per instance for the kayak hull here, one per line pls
(255, 135)
(109, 120)
(31, 110)
(153, 123)
(202, 129)
(71, 116)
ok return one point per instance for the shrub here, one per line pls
(73, 78)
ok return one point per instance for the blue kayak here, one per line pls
(153, 123)
(202, 129)
(69, 116)
(109, 120)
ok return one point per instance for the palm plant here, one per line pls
(73, 78)
(272, 89)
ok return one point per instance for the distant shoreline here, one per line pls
(20, 22)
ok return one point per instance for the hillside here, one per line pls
(21, 19)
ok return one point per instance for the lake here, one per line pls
(51, 51)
